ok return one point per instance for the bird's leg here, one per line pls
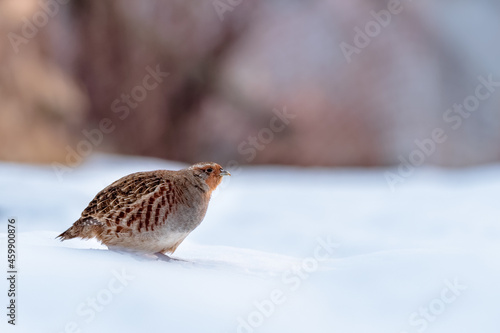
(163, 257)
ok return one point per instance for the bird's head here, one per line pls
(209, 172)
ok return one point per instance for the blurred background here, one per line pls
(380, 85)
(312, 83)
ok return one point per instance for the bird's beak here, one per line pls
(224, 172)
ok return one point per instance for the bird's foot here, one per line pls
(164, 257)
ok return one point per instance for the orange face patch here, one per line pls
(214, 179)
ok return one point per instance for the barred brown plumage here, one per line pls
(149, 212)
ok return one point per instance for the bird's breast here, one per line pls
(187, 215)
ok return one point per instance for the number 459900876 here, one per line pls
(11, 247)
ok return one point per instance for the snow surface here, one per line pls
(392, 267)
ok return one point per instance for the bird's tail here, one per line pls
(87, 228)
(68, 234)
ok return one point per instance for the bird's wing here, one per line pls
(124, 193)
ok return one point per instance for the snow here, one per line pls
(281, 250)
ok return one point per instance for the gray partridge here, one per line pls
(149, 212)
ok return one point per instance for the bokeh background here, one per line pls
(352, 90)
(64, 63)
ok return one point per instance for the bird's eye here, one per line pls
(209, 170)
